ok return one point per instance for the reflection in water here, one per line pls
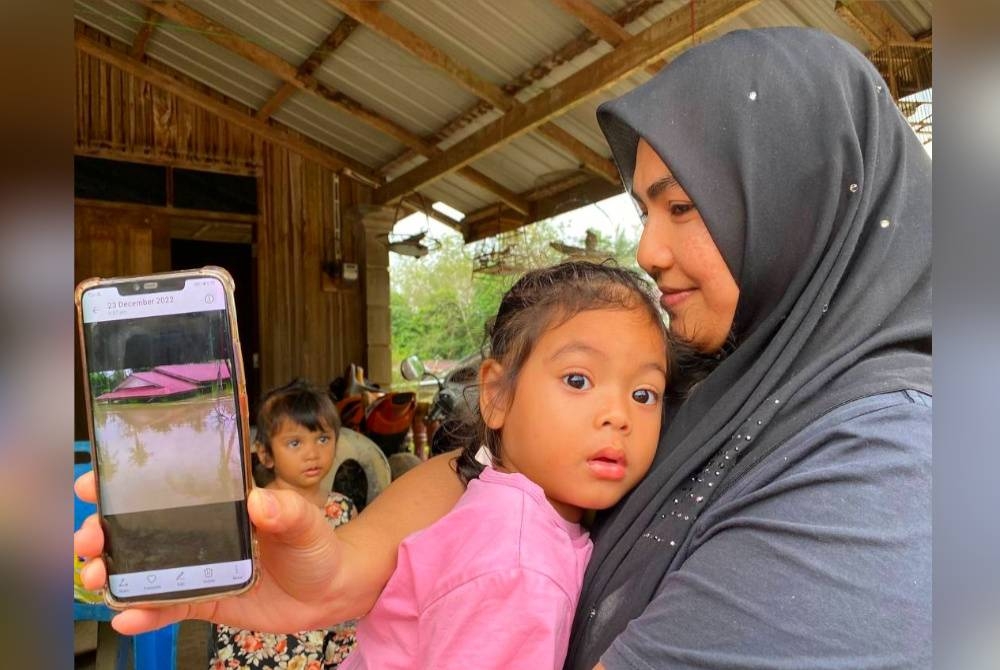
(108, 465)
(179, 454)
(139, 454)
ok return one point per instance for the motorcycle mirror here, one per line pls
(412, 368)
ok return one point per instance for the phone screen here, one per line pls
(162, 379)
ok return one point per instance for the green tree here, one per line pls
(439, 306)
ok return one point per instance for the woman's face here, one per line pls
(677, 251)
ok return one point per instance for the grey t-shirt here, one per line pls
(820, 557)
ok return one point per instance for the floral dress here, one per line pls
(238, 649)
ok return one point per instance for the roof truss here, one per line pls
(665, 36)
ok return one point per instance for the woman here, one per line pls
(786, 519)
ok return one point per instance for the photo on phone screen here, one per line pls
(163, 387)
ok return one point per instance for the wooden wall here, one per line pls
(306, 326)
(112, 241)
(121, 116)
(304, 329)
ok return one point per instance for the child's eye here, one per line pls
(323, 439)
(293, 444)
(576, 380)
(645, 396)
(643, 217)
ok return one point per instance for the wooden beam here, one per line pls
(147, 158)
(185, 16)
(552, 188)
(594, 20)
(873, 22)
(414, 205)
(599, 23)
(494, 220)
(370, 16)
(297, 78)
(323, 156)
(505, 194)
(668, 34)
(630, 12)
(138, 49)
(592, 160)
(276, 100)
(332, 41)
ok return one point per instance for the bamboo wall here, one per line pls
(305, 327)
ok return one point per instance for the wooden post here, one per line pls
(373, 224)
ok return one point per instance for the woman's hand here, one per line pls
(310, 575)
(297, 565)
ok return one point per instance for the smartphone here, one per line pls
(167, 414)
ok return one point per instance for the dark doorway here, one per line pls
(237, 259)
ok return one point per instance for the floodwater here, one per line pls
(167, 454)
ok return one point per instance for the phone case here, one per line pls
(240, 384)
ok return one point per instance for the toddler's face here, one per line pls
(300, 457)
(583, 421)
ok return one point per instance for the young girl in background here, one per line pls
(570, 404)
(297, 430)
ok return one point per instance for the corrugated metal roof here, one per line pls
(498, 42)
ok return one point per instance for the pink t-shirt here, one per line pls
(493, 584)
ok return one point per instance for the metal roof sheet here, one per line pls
(496, 41)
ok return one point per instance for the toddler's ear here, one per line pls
(492, 400)
(264, 454)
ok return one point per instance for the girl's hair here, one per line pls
(298, 401)
(543, 299)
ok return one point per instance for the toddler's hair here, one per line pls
(542, 299)
(298, 401)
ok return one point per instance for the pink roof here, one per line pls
(150, 384)
(197, 373)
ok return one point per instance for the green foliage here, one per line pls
(103, 382)
(439, 306)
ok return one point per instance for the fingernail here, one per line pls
(269, 504)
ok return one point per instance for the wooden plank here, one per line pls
(326, 157)
(138, 49)
(174, 212)
(669, 33)
(873, 22)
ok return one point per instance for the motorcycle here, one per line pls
(383, 417)
(451, 416)
(374, 428)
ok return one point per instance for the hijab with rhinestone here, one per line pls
(817, 193)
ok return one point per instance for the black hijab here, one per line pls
(817, 193)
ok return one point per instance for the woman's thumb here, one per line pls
(282, 513)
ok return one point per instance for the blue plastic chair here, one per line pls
(156, 650)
